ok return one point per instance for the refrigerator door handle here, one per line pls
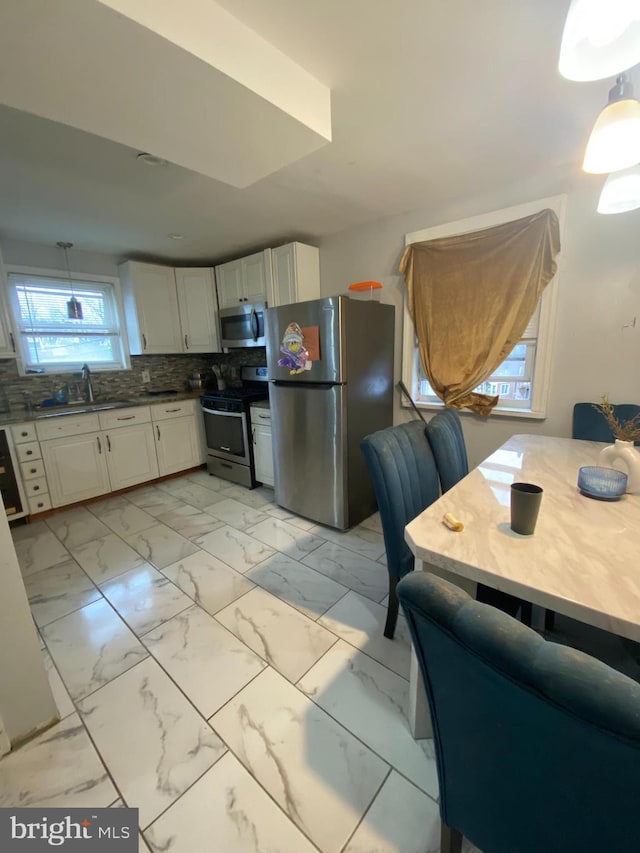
(283, 383)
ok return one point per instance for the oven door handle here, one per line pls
(254, 328)
(225, 414)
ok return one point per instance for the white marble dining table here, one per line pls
(583, 560)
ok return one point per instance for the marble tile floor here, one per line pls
(219, 664)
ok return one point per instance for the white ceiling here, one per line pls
(432, 101)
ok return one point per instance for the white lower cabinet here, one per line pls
(131, 455)
(262, 445)
(76, 467)
(84, 456)
(177, 444)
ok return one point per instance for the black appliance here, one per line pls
(227, 424)
(9, 487)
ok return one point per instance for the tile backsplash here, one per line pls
(166, 371)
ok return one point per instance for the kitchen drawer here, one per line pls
(164, 411)
(124, 417)
(63, 425)
(33, 488)
(31, 470)
(260, 416)
(27, 452)
(39, 503)
(23, 432)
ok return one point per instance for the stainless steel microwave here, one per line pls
(243, 326)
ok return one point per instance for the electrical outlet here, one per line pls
(146, 377)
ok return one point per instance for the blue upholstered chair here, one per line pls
(444, 432)
(405, 481)
(590, 424)
(446, 438)
(537, 745)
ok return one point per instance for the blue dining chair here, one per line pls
(444, 432)
(537, 745)
(446, 438)
(405, 481)
(590, 424)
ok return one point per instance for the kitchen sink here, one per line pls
(82, 408)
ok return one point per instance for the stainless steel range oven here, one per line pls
(228, 427)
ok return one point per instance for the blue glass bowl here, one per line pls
(607, 484)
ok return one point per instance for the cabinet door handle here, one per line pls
(36, 488)
(39, 504)
(128, 418)
(264, 417)
(33, 470)
(99, 444)
(186, 342)
(144, 341)
(108, 444)
(253, 435)
(24, 434)
(29, 453)
(13, 341)
(158, 431)
(168, 411)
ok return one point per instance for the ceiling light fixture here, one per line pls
(621, 192)
(601, 38)
(176, 236)
(74, 306)
(614, 143)
(150, 159)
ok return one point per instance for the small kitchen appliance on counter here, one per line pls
(227, 424)
(331, 383)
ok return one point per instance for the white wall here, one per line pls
(25, 254)
(597, 349)
(26, 702)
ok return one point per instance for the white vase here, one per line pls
(626, 453)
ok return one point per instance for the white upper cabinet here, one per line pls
(229, 284)
(7, 343)
(169, 310)
(197, 303)
(296, 274)
(256, 271)
(151, 308)
(245, 280)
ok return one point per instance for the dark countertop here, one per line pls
(17, 417)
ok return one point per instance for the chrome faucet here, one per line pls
(88, 387)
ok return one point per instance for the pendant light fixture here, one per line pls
(621, 192)
(614, 143)
(601, 38)
(74, 306)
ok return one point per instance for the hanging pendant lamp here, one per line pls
(614, 143)
(621, 192)
(601, 38)
(74, 306)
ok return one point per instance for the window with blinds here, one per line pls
(513, 379)
(49, 340)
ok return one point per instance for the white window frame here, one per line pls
(541, 382)
(63, 278)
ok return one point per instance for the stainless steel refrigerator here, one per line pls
(330, 364)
